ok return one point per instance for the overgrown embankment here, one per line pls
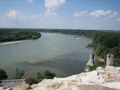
(104, 43)
(16, 35)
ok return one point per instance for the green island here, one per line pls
(16, 35)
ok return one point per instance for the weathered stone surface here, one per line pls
(91, 59)
(100, 79)
(109, 60)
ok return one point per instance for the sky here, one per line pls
(60, 14)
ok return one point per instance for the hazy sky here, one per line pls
(66, 14)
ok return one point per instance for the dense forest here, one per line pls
(15, 35)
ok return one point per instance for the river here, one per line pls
(59, 53)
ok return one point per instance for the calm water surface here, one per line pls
(60, 53)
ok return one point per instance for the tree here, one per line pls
(19, 73)
(3, 75)
(31, 81)
(49, 75)
(40, 76)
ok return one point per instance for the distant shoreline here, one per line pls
(11, 42)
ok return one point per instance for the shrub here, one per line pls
(40, 76)
(3, 75)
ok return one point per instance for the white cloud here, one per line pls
(52, 5)
(102, 13)
(99, 14)
(30, 1)
(114, 14)
(82, 13)
(12, 13)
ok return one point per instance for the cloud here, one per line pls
(102, 13)
(12, 13)
(98, 14)
(82, 13)
(30, 1)
(52, 5)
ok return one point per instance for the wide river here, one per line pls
(59, 53)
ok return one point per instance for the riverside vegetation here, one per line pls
(16, 35)
(20, 74)
(104, 43)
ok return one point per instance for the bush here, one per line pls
(48, 75)
(31, 81)
(92, 68)
(3, 75)
(19, 73)
(117, 62)
(40, 76)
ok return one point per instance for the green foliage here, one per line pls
(15, 35)
(45, 75)
(92, 68)
(40, 76)
(116, 51)
(19, 73)
(31, 81)
(105, 42)
(117, 62)
(109, 42)
(48, 75)
(3, 75)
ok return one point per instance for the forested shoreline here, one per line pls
(104, 43)
(16, 35)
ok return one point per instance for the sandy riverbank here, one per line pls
(12, 42)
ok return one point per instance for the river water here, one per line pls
(60, 53)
